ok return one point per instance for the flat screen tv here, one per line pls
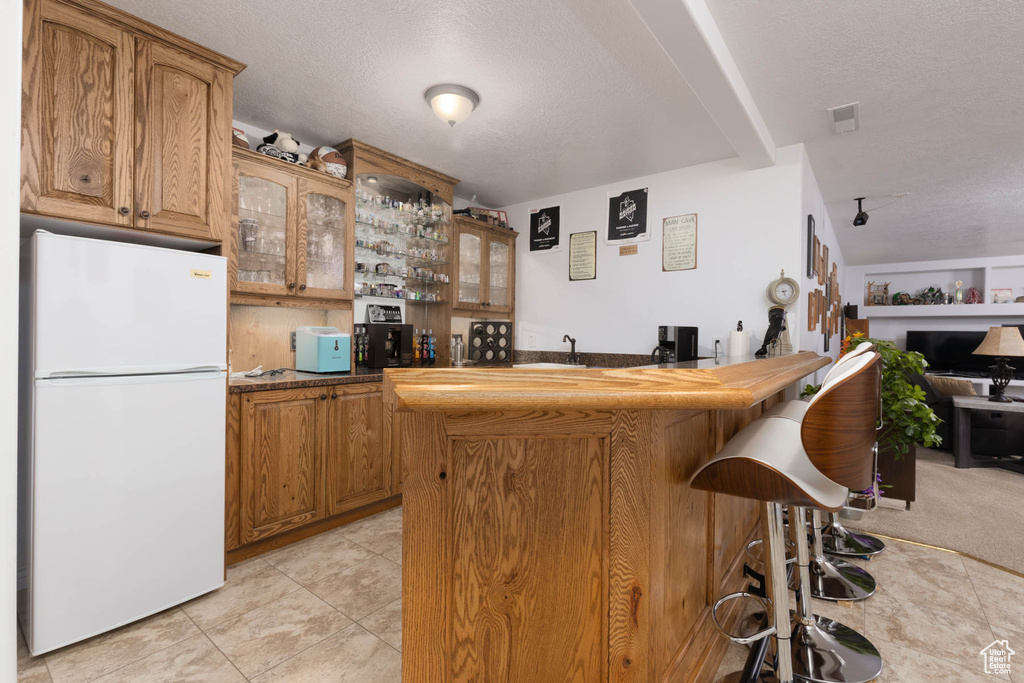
(950, 351)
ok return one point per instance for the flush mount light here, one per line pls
(371, 178)
(452, 103)
(862, 216)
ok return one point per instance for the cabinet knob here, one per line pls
(302, 287)
(144, 214)
(323, 397)
(291, 285)
(334, 396)
(124, 211)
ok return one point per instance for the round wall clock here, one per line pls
(783, 291)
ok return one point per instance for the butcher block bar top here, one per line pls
(710, 383)
(549, 530)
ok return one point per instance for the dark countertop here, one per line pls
(293, 379)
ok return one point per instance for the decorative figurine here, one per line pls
(959, 297)
(974, 296)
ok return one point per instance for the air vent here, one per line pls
(844, 119)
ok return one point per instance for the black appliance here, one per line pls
(388, 345)
(675, 344)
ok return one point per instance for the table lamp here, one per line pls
(1001, 342)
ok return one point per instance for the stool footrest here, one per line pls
(743, 640)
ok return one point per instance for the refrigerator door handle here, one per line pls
(86, 374)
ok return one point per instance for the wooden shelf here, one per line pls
(1011, 310)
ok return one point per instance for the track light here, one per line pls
(862, 216)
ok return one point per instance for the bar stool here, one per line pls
(805, 464)
(834, 578)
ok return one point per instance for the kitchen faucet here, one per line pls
(571, 358)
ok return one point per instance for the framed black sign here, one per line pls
(544, 226)
(811, 256)
(627, 217)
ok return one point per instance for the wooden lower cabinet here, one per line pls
(354, 456)
(299, 456)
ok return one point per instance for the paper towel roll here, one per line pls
(739, 343)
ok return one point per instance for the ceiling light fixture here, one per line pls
(452, 103)
(862, 217)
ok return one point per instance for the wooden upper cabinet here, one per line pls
(123, 123)
(293, 230)
(182, 143)
(280, 461)
(485, 267)
(354, 457)
(77, 118)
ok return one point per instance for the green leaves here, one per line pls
(906, 418)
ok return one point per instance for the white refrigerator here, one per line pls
(123, 384)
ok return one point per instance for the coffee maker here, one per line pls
(388, 341)
(675, 345)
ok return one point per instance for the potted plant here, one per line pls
(906, 419)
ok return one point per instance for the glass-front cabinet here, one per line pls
(294, 231)
(403, 232)
(486, 267)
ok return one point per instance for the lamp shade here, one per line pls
(452, 103)
(1001, 341)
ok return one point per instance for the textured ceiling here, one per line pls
(941, 87)
(573, 94)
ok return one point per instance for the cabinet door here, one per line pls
(280, 461)
(77, 120)
(354, 456)
(182, 138)
(324, 241)
(264, 229)
(471, 286)
(501, 269)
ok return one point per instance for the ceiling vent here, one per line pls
(844, 119)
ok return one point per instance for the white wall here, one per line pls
(749, 227)
(10, 176)
(814, 204)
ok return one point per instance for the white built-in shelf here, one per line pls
(1011, 310)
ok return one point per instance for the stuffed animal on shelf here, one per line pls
(328, 160)
(282, 146)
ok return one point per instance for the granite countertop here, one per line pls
(293, 379)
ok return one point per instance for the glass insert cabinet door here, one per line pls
(498, 292)
(471, 267)
(323, 242)
(265, 209)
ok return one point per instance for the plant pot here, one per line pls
(899, 476)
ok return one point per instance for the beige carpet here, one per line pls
(977, 511)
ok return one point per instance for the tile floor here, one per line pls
(329, 609)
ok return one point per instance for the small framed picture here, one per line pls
(1002, 296)
(812, 311)
(810, 246)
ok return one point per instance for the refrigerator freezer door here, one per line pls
(111, 308)
(127, 501)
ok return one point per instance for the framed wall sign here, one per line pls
(544, 228)
(679, 243)
(810, 246)
(627, 217)
(583, 256)
(812, 311)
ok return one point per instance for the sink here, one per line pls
(546, 366)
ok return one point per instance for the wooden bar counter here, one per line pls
(549, 530)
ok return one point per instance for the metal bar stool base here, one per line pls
(838, 540)
(827, 651)
(833, 578)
